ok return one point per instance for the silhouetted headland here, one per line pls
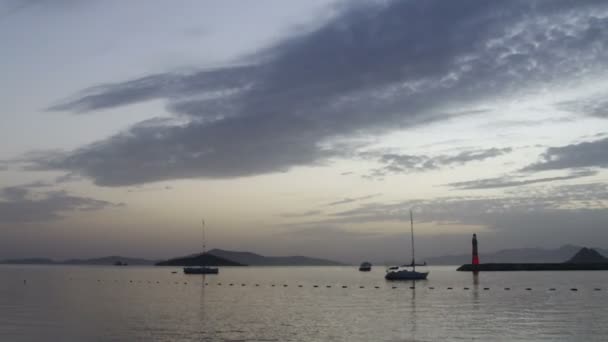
(515, 255)
(254, 259)
(206, 259)
(585, 259)
(109, 260)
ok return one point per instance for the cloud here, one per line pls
(351, 200)
(302, 214)
(404, 163)
(485, 210)
(377, 67)
(585, 154)
(510, 181)
(18, 204)
(595, 105)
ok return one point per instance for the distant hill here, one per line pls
(253, 259)
(588, 256)
(206, 259)
(109, 260)
(29, 261)
(519, 255)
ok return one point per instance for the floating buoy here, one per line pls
(449, 288)
(466, 288)
(231, 284)
(344, 286)
(431, 288)
(574, 289)
(412, 287)
(315, 286)
(361, 287)
(597, 289)
(299, 285)
(257, 284)
(507, 288)
(284, 285)
(376, 287)
(242, 284)
(528, 289)
(486, 288)
(394, 287)
(219, 284)
(328, 286)
(272, 285)
(552, 289)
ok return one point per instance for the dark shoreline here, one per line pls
(535, 267)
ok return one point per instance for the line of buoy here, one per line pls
(573, 289)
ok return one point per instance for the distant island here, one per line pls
(220, 257)
(215, 257)
(254, 259)
(515, 255)
(586, 259)
(206, 259)
(109, 260)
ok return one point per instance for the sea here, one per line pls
(146, 303)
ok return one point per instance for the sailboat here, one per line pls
(202, 269)
(407, 272)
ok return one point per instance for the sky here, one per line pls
(302, 127)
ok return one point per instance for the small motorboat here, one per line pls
(365, 267)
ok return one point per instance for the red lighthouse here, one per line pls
(475, 255)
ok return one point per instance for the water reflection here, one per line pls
(475, 288)
(202, 315)
(414, 315)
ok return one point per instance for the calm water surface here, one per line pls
(89, 303)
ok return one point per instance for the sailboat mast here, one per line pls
(203, 254)
(412, 229)
(203, 221)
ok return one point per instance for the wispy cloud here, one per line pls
(19, 204)
(352, 199)
(405, 163)
(595, 105)
(302, 214)
(585, 154)
(510, 181)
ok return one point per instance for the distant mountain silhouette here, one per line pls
(519, 255)
(29, 261)
(109, 260)
(253, 259)
(206, 259)
(587, 256)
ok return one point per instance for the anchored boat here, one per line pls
(407, 272)
(202, 269)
